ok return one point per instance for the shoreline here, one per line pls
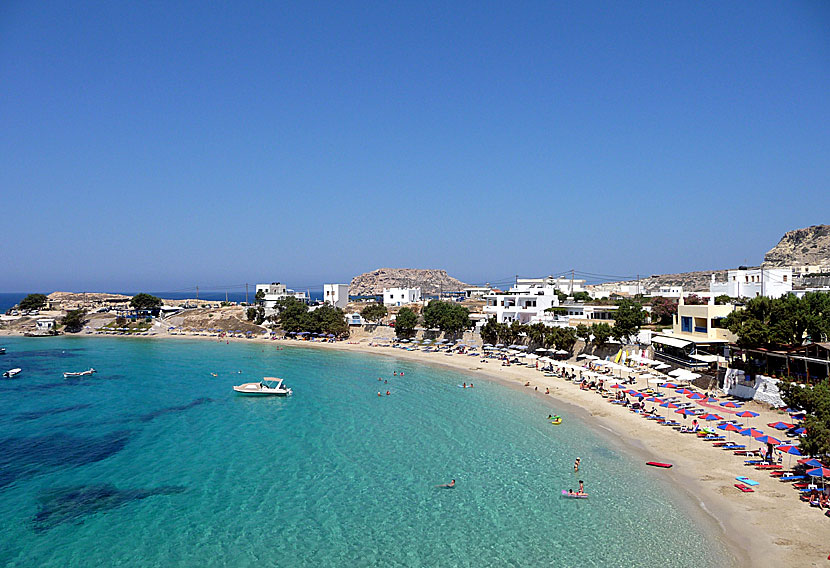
(770, 527)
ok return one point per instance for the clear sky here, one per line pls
(160, 145)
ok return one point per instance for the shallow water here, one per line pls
(153, 461)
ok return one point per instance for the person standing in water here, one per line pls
(581, 487)
(576, 465)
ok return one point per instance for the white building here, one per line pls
(45, 324)
(563, 284)
(607, 290)
(336, 294)
(522, 303)
(354, 319)
(275, 292)
(401, 296)
(476, 292)
(754, 282)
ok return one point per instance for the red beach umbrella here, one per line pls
(729, 404)
(695, 396)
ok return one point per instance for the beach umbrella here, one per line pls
(684, 391)
(813, 462)
(729, 427)
(768, 440)
(789, 449)
(669, 405)
(695, 396)
(821, 472)
(616, 386)
(711, 417)
(655, 400)
(711, 400)
(799, 431)
(729, 404)
(747, 414)
(781, 425)
(751, 432)
(670, 385)
(685, 412)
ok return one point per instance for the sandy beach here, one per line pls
(770, 527)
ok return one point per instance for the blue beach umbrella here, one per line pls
(789, 449)
(813, 463)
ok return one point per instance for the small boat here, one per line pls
(11, 373)
(268, 386)
(572, 495)
(2, 350)
(659, 464)
(86, 373)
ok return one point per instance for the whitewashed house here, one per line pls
(522, 303)
(754, 282)
(45, 324)
(336, 294)
(401, 296)
(275, 292)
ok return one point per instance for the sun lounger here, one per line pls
(712, 438)
(746, 480)
(744, 488)
(733, 447)
(792, 477)
(769, 466)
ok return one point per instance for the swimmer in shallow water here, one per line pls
(449, 485)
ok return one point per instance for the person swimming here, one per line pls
(388, 393)
(576, 465)
(449, 485)
(464, 385)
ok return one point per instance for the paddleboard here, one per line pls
(574, 495)
(659, 464)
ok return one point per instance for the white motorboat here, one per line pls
(2, 350)
(11, 373)
(86, 373)
(268, 386)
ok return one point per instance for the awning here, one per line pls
(671, 341)
(705, 357)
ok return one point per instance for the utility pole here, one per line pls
(246, 292)
(638, 284)
(762, 281)
(572, 281)
(197, 291)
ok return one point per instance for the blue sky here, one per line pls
(164, 145)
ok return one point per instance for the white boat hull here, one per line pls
(12, 373)
(258, 389)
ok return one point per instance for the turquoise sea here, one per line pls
(155, 462)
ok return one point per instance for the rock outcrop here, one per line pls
(430, 281)
(809, 246)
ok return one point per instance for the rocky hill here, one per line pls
(430, 281)
(810, 246)
(691, 281)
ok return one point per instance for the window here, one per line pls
(686, 324)
(785, 278)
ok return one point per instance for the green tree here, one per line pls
(374, 312)
(627, 319)
(583, 332)
(329, 319)
(602, 333)
(449, 317)
(405, 322)
(582, 297)
(815, 401)
(74, 321)
(490, 331)
(255, 314)
(292, 315)
(259, 298)
(722, 300)
(144, 301)
(33, 302)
